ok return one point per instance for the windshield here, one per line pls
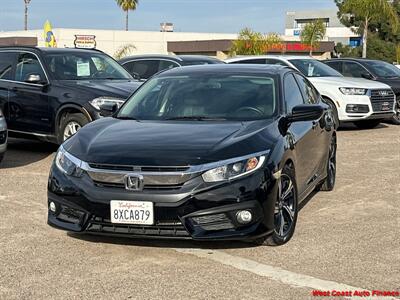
(383, 69)
(84, 66)
(314, 68)
(203, 97)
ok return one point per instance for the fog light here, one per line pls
(53, 207)
(244, 216)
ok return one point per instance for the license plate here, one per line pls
(132, 212)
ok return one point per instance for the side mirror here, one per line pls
(305, 112)
(367, 75)
(107, 110)
(33, 78)
(135, 75)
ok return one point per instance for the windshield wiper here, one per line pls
(196, 118)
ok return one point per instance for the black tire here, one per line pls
(396, 118)
(284, 232)
(77, 120)
(329, 182)
(367, 124)
(335, 114)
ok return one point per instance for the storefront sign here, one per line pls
(85, 41)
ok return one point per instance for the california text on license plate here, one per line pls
(132, 212)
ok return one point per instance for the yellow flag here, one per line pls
(50, 39)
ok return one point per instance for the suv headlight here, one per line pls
(353, 91)
(97, 102)
(67, 163)
(235, 169)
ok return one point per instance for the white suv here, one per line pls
(364, 102)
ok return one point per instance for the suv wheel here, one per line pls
(367, 124)
(334, 112)
(396, 117)
(70, 124)
(329, 182)
(286, 210)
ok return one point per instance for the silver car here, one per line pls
(3, 135)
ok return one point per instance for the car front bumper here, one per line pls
(367, 109)
(208, 214)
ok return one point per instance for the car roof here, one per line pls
(49, 49)
(282, 57)
(354, 59)
(227, 68)
(199, 58)
(177, 58)
(151, 56)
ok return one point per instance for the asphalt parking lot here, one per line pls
(345, 239)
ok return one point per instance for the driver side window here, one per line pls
(293, 95)
(28, 64)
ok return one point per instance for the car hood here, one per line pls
(348, 82)
(175, 143)
(116, 88)
(394, 83)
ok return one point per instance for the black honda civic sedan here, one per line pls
(204, 152)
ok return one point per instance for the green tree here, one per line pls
(126, 6)
(250, 42)
(363, 14)
(313, 33)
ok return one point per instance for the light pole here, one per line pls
(26, 13)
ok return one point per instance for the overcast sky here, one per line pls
(187, 15)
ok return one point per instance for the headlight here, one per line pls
(68, 164)
(234, 169)
(353, 91)
(97, 102)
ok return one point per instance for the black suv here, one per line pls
(371, 69)
(51, 93)
(142, 67)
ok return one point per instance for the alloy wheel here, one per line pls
(332, 162)
(70, 129)
(396, 116)
(285, 207)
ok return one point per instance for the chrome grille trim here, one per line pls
(377, 99)
(152, 179)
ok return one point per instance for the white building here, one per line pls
(335, 30)
(109, 41)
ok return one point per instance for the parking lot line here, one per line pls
(276, 273)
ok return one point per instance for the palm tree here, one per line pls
(313, 33)
(26, 13)
(370, 10)
(123, 51)
(126, 6)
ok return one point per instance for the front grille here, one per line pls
(138, 168)
(382, 100)
(146, 187)
(3, 137)
(213, 222)
(161, 228)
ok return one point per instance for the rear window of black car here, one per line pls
(208, 96)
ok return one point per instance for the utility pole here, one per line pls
(26, 13)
